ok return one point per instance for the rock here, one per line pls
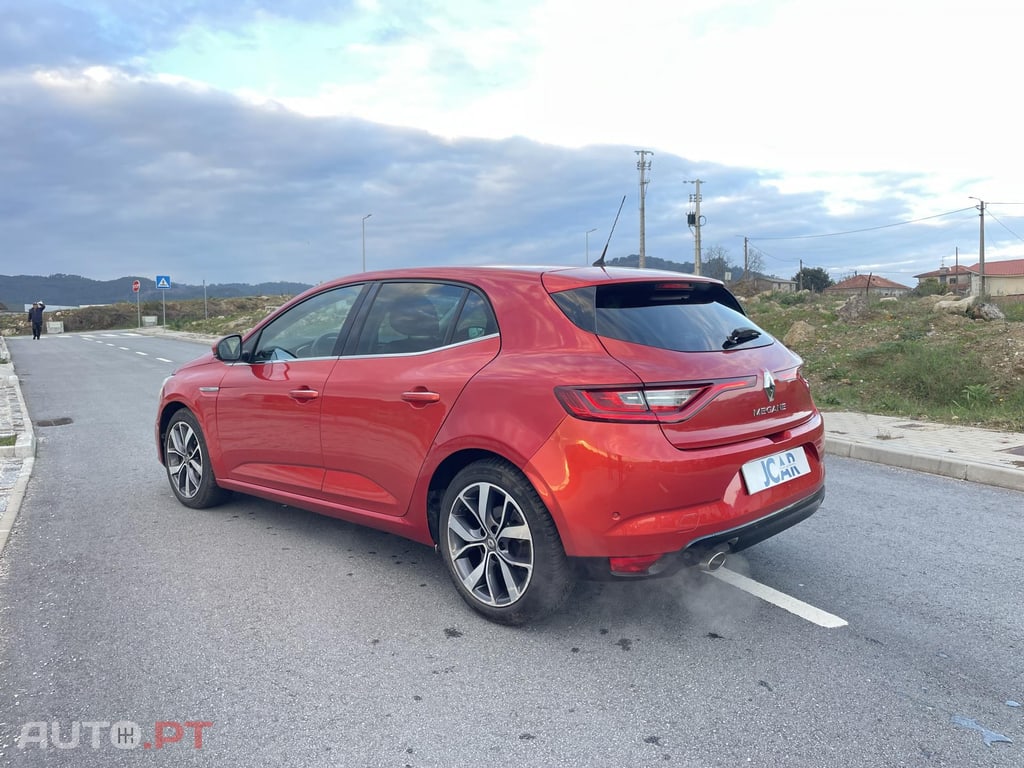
(799, 333)
(853, 308)
(889, 298)
(985, 311)
(956, 306)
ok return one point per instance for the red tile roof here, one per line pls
(860, 282)
(1009, 268)
(959, 269)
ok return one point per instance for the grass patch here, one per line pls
(1014, 311)
(6, 440)
(904, 358)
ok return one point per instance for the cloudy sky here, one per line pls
(246, 140)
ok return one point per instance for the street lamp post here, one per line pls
(364, 239)
(587, 262)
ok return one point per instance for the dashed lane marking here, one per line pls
(89, 337)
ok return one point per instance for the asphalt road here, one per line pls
(306, 641)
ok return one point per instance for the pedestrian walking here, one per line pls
(35, 316)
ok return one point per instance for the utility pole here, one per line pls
(586, 260)
(643, 165)
(981, 247)
(746, 259)
(694, 221)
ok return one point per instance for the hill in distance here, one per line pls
(60, 290)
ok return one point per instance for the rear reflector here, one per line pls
(639, 564)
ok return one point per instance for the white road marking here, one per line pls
(781, 599)
(89, 337)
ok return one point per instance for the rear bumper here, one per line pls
(732, 540)
(621, 490)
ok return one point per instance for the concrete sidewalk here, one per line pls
(15, 460)
(964, 453)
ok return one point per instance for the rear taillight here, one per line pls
(791, 374)
(641, 404)
(794, 374)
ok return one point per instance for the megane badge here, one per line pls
(769, 386)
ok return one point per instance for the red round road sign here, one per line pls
(135, 286)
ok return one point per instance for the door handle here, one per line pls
(421, 396)
(304, 395)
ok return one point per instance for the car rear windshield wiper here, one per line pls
(741, 336)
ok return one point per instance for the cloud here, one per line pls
(244, 142)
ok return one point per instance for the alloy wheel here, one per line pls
(184, 459)
(490, 544)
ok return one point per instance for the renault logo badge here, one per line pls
(769, 386)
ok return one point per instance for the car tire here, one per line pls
(501, 546)
(187, 460)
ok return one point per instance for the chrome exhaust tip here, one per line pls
(713, 560)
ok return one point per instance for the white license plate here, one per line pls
(779, 468)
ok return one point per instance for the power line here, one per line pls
(991, 216)
(869, 229)
(789, 261)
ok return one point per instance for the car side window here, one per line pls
(309, 329)
(410, 317)
(475, 320)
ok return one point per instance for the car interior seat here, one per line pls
(416, 320)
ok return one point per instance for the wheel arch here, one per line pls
(166, 415)
(446, 472)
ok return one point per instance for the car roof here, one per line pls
(555, 278)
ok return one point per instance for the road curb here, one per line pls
(14, 501)
(25, 442)
(956, 468)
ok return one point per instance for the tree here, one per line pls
(715, 263)
(755, 262)
(812, 278)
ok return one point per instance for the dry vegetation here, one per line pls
(900, 358)
(215, 316)
(905, 358)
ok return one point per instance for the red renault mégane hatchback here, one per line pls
(535, 424)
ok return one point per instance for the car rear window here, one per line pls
(679, 315)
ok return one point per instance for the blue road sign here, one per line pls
(163, 281)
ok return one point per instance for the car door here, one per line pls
(384, 404)
(268, 408)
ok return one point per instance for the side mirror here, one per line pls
(229, 349)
